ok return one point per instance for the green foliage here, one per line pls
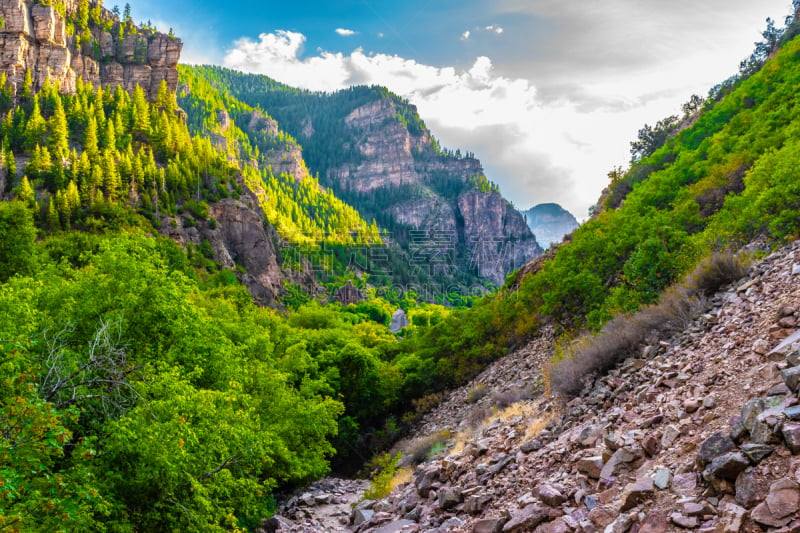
(301, 211)
(380, 486)
(297, 205)
(17, 236)
(188, 407)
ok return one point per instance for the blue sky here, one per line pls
(427, 30)
(547, 93)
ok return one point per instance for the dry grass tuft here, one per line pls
(478, 391)
(509, 397)
(623, 335)
(402, 476)
(417, 451)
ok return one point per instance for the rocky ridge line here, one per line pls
(34, 38)
(487, 232)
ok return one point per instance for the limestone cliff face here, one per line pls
(239, 238)
(35, 38)
(496, 234)
(386, 147)
(286, 157)
(437, 194)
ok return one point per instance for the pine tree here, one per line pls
(11, 164)
(6, 94)
(165, 99)
(35, 127)
(53, 221)
(26, 194)
(140, 115)
(111, 179)
(109, 139)
(90, 138)
(27, 88)
(58, 141)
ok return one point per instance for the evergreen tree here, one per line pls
(140, 115)
(26, 93)
(53, 220)
(90, 143)
(35, 128)
(109, 138)
(11, 164)
(58, 141)
(26, 194)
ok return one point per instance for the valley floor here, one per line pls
(698, 433)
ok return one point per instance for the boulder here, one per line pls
(489, 525)
(637, 493)
(528, 518)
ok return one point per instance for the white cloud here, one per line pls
(345, 32)
(495, 28)
(465, 35)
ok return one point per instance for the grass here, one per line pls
(477, 392)
(419, 450)
(624, 335)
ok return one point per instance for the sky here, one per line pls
(547, 93)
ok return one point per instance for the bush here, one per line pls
(478, 391)
(623, 335)
(419, 450)
(386, 469)
(503, 399)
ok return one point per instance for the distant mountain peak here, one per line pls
(550, 222)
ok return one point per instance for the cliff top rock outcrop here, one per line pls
(39, 39)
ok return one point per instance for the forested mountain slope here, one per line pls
(371, 148)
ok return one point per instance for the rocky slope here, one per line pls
(442, 195)
(35, 38)
(698, 433)
(550, 223)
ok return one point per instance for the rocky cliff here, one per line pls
(550, 223)
(237, 237)
(430, 192)
(40, 39)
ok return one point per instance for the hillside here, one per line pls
(696, 432)
(198, 270)
(723, 181)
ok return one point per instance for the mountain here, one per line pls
(550, 223)
(371, 149)
(717, 180)
(191, 321)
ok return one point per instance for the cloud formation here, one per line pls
(345, 32)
